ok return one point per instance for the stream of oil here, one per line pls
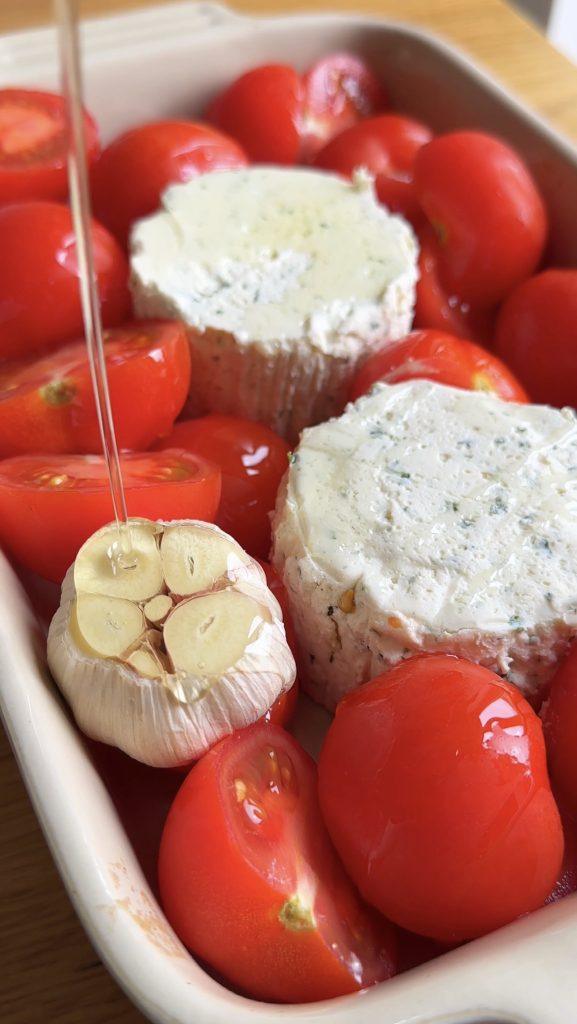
(120, 553)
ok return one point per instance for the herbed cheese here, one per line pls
(287, 279)
(427, 518)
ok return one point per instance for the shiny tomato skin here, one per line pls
(559, 714)
(434, 788)
(440, 357)
(339, 90)
(436, 307)
(47, 404)
(39, 279)
(51, 504)
(253, 460)
(262, 110)
(488, 214)
(33, 145)
(242, 837)
(387, 147)
(131, 174)
(536, 336)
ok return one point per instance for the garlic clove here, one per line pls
(194, 559)
(98, 567)
(106, 626)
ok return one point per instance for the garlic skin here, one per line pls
(172, 717)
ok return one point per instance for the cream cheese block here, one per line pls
(287, 279)
(430, 519)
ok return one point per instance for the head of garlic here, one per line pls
(167, 652)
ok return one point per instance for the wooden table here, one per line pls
(49, 974)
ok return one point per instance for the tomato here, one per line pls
(51, 504)
(284, 707)
(251, 884)
(48, 404)
(133, 171)
(437, 307)
(34, 144)
(387, 147)
(485, 207)
(339, 90)
(440, 357)
(559, 714)
(39, 278)
(253, 460)
(434, 788)
(536, 335)
(262, 109)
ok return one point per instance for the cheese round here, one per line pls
(287, 279)
(430, 519)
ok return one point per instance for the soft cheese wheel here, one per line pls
(429, 519)
(287, 279)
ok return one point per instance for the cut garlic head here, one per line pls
(166, 654)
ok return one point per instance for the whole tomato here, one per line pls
(559, 714)
(536, 335)
(387, 147)
(485, 207)
(340, 90)
(443, 358)
(434, 788)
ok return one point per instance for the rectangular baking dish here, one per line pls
(168, 61)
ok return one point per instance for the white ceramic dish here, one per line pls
(167, 61)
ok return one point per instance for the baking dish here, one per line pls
(169, 61)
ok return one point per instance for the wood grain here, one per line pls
(49, 974)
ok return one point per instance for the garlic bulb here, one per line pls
(165, 656)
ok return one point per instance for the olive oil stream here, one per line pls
(121, 552)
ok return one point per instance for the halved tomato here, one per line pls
(51, 504)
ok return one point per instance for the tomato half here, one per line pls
(250, 882)
(39, 279)
(339, 90)
(48, 404)
(262, 110)
(131, 174)
(253, 460)
(537, 336)
(434, 788)
(490, 220)
(34, 144)
(387, 147)
(51, 504)
(441, 357)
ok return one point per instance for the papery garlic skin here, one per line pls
(175, 717)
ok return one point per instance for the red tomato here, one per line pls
(437, 307)
(47, 404)
(434, 788)
(387, 146)
(284, 707)
(559, 714)
(253, 460)
(257, 890)
(489, 217)
(440, 357)
(339, 90)
(537, 333)
(39, 279)
(33, 145)
(262, 109)
(51, 504)
(134, 170)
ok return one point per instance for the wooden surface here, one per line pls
(49, 974)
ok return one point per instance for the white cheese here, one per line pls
(287, 280)
(439, 520)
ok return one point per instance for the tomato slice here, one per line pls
(48, 404)
(33, 145)
(262, 109)
(51, 504)
(441, 357)
(250, 882)
(133, 171)
(339, 90)
(253, 460)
